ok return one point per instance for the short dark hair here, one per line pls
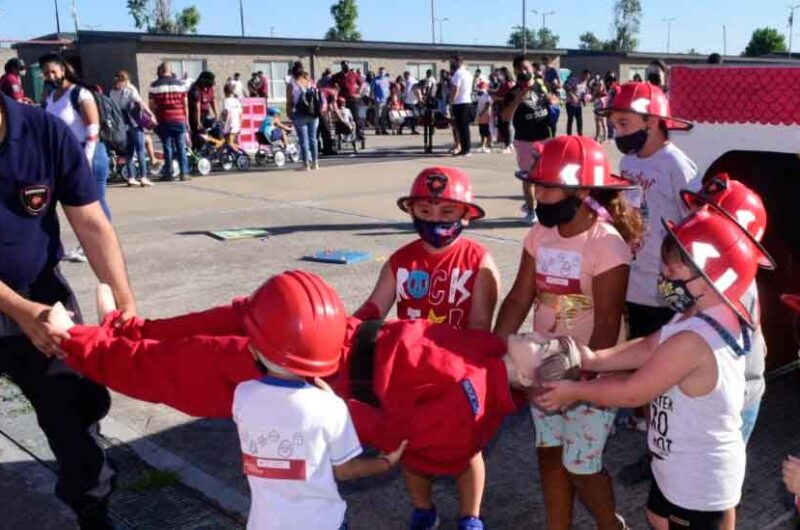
(714, 58)
(518, 60)
(457, 60)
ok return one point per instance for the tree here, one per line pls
(516, 37)
(546, 39)
(764, 41)
(627, 20)
(543, 39)
(156, 17)
(345, 14)
(589, 41)
(692, 51)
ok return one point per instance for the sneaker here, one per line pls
(530, 215)
(470, 523)
(315, 165)
(133, 182)
(507, 151)
(76, 255)
(184, 178)
(637, 472)
(146, 182)
(424, 519)
(466, 154)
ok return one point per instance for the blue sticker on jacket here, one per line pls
(472, 396)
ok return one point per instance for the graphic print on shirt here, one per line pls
(558, 285)
(638, 197)
(660, 412)
(273, 453)
(444, 292)
(558, 271)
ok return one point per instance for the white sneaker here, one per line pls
(146, 182)
(105, 301)
(315, 166)
(75, 255)
(507, 151)
(133, 182)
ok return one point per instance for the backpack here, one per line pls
(113, 128)
(309, 103)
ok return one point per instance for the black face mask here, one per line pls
(524, 77)
(631, 143)
(438, 234)
(558, 213)
(53, 85)
(676, 293)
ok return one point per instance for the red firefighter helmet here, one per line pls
(740, 203)
(445, 184)
(648, 100)
(296, 321)
(574, 162)
(721, 250)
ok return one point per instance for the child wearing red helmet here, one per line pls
(574, 268)
(691, 372)
(642, 120)
(745, 207)
(444, 278)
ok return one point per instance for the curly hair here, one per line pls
(625, 218)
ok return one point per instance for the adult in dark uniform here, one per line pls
(42, 164)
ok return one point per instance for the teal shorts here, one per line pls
(582, 430)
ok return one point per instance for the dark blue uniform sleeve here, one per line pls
(75, 184)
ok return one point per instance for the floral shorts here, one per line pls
(582, 430)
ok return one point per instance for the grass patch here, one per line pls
(153, 479)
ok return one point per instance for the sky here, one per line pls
(698, 24)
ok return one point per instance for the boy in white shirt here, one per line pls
(297, 439)
(484, 116)
(232, 113)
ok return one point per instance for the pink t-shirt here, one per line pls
(565, 268)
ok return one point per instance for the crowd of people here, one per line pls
(647, 276)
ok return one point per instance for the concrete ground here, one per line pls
(175, 267)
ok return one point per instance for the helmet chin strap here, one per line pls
(270, 366)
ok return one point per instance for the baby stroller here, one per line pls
(218, 151)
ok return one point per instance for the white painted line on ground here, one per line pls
(158, 457)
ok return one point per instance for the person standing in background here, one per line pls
(461, 103)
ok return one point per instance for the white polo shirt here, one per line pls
(463, 80)
(291, 436)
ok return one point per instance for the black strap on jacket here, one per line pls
(362, 362)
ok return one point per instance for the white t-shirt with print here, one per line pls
(233, 115)
(660, 177)
(291, 435)
(64, 109)
(463, 80)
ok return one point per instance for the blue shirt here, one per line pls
(266, 126)
(41, 163)
(380, 88)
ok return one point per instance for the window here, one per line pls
(190, 67)
(633, 70)
(418, 70)
(485, 69)
(276, 72)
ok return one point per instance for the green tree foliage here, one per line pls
(541, 39)
(156, 17)
(627, 21)
(589, 41)
(764, 41)
(345, 14)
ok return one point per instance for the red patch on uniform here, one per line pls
(35, 199)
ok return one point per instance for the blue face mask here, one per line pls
(438, 234)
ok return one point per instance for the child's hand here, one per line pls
(556, 395)
(394, 457)
(791, 474)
